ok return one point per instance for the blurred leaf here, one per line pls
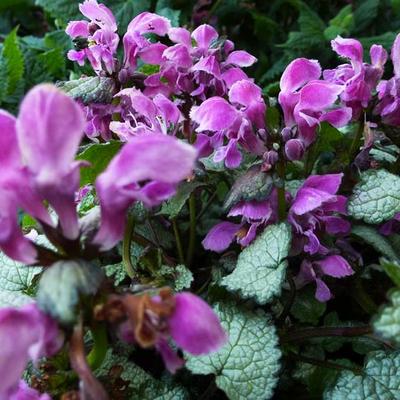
(254, 184)
(387, 322)
(365, 14)
(392, 269)
(64, 10)
(99, 156)
(92, 89)
(174, 205)
(380, 379)
(306, 308)
(126, 10)
(64, 284)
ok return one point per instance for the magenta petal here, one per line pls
(298, 73)
(153, 54)
(10, 156)
(335, 225)
(395, 54)
(339, 117)
(349, 48)
(329, 183)
(99, 14)
(233, 75)
(241, 58)
(149, 23)
(154, 157)
(49, 127)
(171, 360)
(318, 95)
(77, 28)
(214, 114)
(204, 35)
(308, 199)
(220, 236)
(252, 210)
(24, 392)
(378, 56)
(25, 334)
(180, 35)
(194, 326)
(322, 294)
(335, 266)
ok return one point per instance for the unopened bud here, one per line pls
(294, 149)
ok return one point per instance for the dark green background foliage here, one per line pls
(274, 31)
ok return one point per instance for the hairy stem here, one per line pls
(292, 295)
(100, 345)
(355, 144)
(281, 191)
(192, 229)
(309, 333)
(178, 240)
(126, 247)
(325, 364)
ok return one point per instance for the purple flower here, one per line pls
(37, 163)
(233, 123)
(389, 91)
(316, 209)
(358, 78)
(136, 45)
(48, 149)
(25, 334)
(147, 169)
(100, 35)
(307, 101)
(254, 215)
(392, 226)
(312, 271)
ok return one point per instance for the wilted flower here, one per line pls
(150, 321)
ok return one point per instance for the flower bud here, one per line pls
(294, 149)
(287, 134)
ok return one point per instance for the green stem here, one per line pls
(192, 230)
(178, 242)
(126, 247)
(205, 208)
(281, 191)
(309, 333)
(325, 364)
(355, 144)
(100, 345)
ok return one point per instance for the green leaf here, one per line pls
(126, 10)
(306, 308)
(64, 10)
(164, 8)
(376, 197)
(179, 277)
(117, 272)
(64, 284)
(92, 89)
(310, 22)
(99, 156)
(252, 185)
(392, 269)
(14, 61)
(14, 276)
(135, 383)
(380, 380)
(261, 267)
(370, 236)
(13, 299)
(387, 323)
(173, 206)
(246, 367)
(365, 14)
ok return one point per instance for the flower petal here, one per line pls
(194, 326)
(220, 236)
(298, 73)
(335, 266)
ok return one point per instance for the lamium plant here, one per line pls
(170, 230)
